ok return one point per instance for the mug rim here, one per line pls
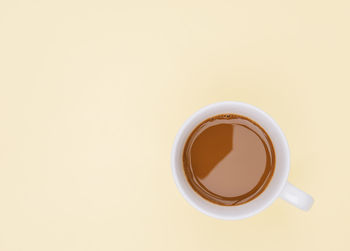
(195, 202)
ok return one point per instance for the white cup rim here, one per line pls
(276, 184)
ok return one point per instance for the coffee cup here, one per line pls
(278, 187)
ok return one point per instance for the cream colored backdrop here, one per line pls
(92, 94)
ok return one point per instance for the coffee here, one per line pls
(229, 159)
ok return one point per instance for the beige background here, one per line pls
(92, 94)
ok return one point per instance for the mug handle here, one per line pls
(296, 197)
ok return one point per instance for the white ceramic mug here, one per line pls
(278, 186)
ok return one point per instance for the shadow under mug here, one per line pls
(278, 186)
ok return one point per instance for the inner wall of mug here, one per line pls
(279, 177)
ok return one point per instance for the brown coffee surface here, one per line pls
(229, 159)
